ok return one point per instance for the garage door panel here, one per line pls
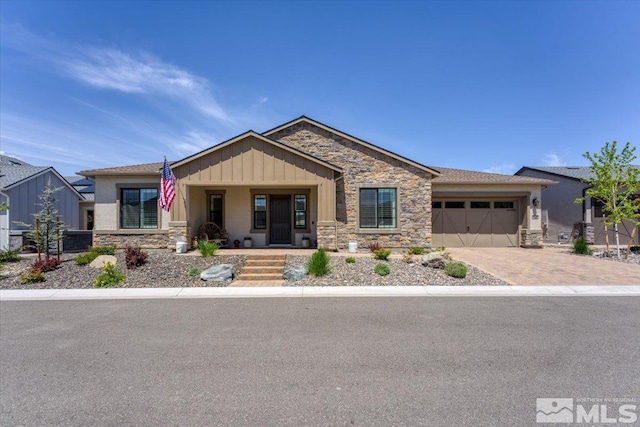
(436, 229)
(454, 227)
(479, 227)
(504, 226)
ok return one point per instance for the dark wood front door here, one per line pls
(280, 224)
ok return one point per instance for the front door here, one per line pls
(280, 222)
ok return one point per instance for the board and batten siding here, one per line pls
(25, 201)
(255, 163)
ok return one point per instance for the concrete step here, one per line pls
(263, 276)
(266, 257)
(264, 263)
(263, 270)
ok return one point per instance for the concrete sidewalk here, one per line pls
(305, 292)
(527, 267)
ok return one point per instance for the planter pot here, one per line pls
(306, 242)
(248, 243)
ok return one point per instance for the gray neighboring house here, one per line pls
(20, 186)
(563, 215)
(86, 187)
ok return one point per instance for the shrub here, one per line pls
(85, 258)
(382, 253)
(109, 277)
(374, 246)
(46, 264)
(581, 246)
(407, 257)
(456, 269)
(102, 250)
(319, 263)
(32, 276)
(350, 260)
(8, 255)
(416, 250)
(134, 257)
(440, 249)
(207, 248)
(194, 271)
(381, 269)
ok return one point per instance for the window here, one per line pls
(216, 209)
(503, 205)
(260, 211)
(436, 205)
(377, 208)
(300, 206)
(454, 205)
(480, 205)
(598, 210)
(139, 208)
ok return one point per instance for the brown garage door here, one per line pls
(475, 223)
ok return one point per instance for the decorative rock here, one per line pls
(218, 273)
(435, 259)
(101, 260)
(296, 273)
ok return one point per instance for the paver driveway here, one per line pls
(548, 266)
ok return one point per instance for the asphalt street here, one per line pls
(436, 361)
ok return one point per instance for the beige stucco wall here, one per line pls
(363, 166)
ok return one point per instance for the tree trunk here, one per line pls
(615, 229)
(606, 232)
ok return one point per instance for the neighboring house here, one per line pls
(21, 184)
(86, 187)
(306, 179)
(565, 216)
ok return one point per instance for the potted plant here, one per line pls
(248, 242)
(236, 243)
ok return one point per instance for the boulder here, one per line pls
(438, 259)
(296, 273)
(218, 273)
(101, 260)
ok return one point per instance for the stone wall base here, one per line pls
(586, 230)
(146, 241)
(531, 238)
(326, 235)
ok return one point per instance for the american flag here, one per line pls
(167, 187)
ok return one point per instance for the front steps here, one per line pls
(263, 268)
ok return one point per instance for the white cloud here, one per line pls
(505, 168)
(553, 159)
(263, 99)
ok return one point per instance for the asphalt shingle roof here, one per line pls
(145, 168)
(574, 172)
(461, 176)
(12, 174)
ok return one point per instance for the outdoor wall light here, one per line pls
(535, 202)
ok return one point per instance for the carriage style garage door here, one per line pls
(480, 223)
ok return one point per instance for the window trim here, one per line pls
(136, 186)
(222, 193)
(280, 191)
(254, 212)
(306, 211)
(377, 230)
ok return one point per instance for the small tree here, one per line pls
(46, 229)
(613, 182)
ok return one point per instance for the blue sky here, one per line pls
(474, 85)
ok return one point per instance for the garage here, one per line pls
(475, 222)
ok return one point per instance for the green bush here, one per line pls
(581, 246)
(382, 253)
(382, 269)
(456, 269)
(32, 276)
(350, 260)
(102, 250)
(109, 277)
(85, 258)
(319, 263)
(416, 250)
(206, 248)
(8, 255)
(194, 271)
(440, 249)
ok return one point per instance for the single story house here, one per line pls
(21, 184)
(306, 180)
(86, 187)
(566, 218)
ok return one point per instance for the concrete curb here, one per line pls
(309, 292)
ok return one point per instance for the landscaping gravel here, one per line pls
(402, 274)
(164, 269)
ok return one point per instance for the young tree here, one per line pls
(613, 182)
(47, 225)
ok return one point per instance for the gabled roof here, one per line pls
(352, 139)
(461, 176)
(262, 138)
(12, 176)
(12, 161)
(579, 173)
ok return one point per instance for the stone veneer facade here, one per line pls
(531, 238)
(365, 167)
(153, 240)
